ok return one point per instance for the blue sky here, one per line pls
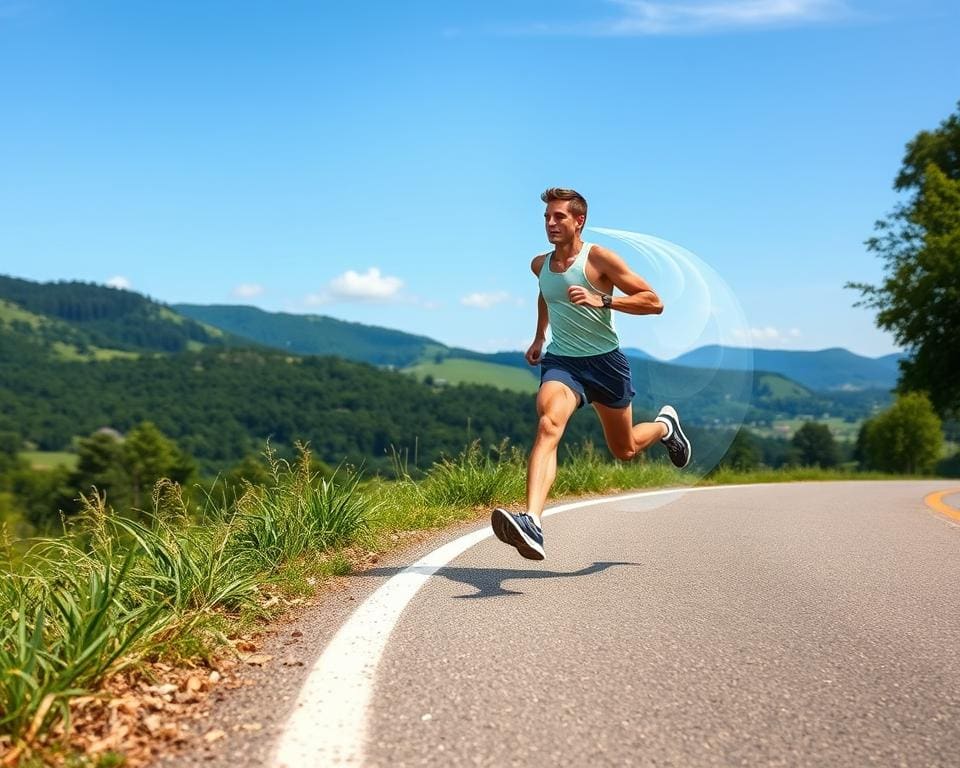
(382, 162)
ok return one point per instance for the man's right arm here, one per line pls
(535, 352)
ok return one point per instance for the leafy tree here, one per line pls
(127, 469)
(148, 456)
(9, 448)
(815, 446)
(744, 453)
(919, 243)
(905, 438)
(100, 466)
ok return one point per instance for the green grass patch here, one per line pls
(44, 460)
(780, 387)
(455, 370)
(11, 313)
(841, 429)
(725, 476)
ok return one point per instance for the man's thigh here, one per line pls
(617, 426)
(558, 401)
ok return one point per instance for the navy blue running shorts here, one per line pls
(603, 379)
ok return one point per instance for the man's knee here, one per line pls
(551, 426)
(624, 452)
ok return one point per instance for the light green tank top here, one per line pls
(576, 331)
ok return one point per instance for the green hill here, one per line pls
(88, 321)
(458, 370)
(316, 334)
(824, 369)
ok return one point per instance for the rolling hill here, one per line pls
(86, 321)
(825, 369)
(315, 334)
(144, 360)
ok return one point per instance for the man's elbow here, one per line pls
(657, 306)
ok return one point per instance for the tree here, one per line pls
(743, 453)
(127, 469)
(919, 242)
(148, 455)
(905, 438)
(815, 446)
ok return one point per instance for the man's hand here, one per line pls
(535, 352)
(580, 295)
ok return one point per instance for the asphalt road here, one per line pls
(781, 625)
(807, 624)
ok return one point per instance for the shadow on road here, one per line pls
(489, 581)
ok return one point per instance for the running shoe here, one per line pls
(678, 446)
(518, 531)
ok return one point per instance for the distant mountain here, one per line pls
(825, 369)
(76, 320)
(637, 354)
(317, 334)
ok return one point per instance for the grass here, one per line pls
(725, 476)
(10, 313)
(45, 460)
(780, 386)
(453, 370)
(176, 582)
(786, 428)
(70, 353)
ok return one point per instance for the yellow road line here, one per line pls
(937, 504)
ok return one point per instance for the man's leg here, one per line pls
(556, 403)
(624, 438)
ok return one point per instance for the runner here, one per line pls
(583, 362)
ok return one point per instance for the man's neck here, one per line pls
(568, 251)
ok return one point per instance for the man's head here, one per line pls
(565, 215)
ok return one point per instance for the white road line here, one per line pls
(329, 722)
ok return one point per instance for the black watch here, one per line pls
(607, 300)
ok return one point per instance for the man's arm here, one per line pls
(640, 298)
(535, 352)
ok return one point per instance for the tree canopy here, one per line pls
(904, 438)
(815, 446)
(919, 243)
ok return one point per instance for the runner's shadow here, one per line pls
(489, 581)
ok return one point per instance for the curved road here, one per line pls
(801, 624)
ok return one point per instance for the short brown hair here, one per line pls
(578, 203)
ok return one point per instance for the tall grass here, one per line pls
(114, 589)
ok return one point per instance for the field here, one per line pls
(455, 370)
(780, 386)
(49, 459)
(786, 428)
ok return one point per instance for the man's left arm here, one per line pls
(639, 298)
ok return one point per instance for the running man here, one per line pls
(583, 363)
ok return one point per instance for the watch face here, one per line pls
(607, 301)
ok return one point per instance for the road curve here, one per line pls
(794, 624)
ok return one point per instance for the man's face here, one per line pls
(560, 223)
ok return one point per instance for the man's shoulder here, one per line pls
(600, 252)
(537, 264)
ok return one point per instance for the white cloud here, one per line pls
(766, 335)
(485, 300)
(371, 285)
(644, 18)
(247, 290)
(119, 281)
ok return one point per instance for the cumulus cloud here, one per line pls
(371, 285)
(643, 17)
(119, 281)
(247, 290)
(485, 300)
(766, 335)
